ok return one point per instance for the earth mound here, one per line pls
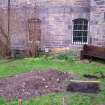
(35, 83)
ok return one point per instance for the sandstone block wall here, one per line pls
(97, 22)
(56, 21)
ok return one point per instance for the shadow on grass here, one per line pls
(4, 61)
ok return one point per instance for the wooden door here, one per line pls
(34, 36)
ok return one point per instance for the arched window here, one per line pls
(80, 31)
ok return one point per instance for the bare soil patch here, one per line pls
(34, 83)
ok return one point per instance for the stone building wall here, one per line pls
(57, 18)
(56, 21)
(97, 23)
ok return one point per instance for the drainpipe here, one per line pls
(8, 40)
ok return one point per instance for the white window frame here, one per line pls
(79, 42)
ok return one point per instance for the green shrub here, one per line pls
(68, 56)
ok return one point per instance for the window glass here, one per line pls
(80, 30)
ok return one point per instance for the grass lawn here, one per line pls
(9, 68)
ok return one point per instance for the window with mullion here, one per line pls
(80, 30)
